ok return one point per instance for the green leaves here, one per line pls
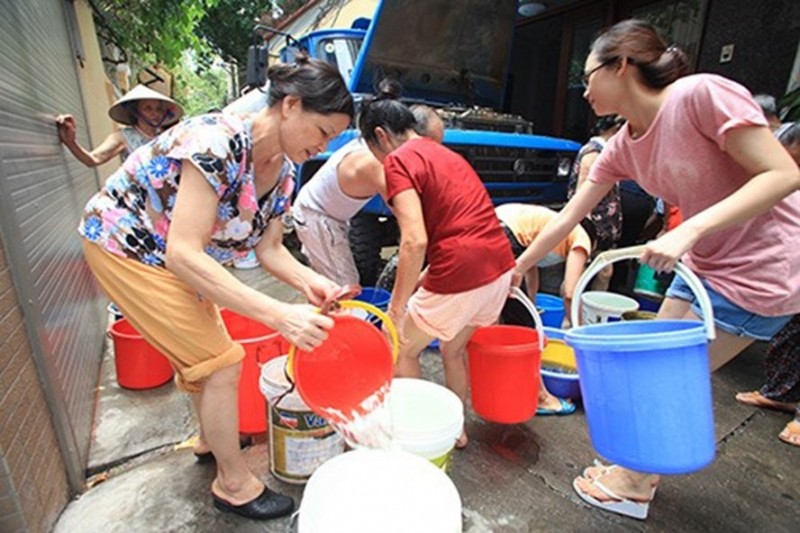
(158, 29)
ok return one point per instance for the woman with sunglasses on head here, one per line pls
(701, 143)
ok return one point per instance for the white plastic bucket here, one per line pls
(299, 440)
(427, 419)
(600, 307)
(391, 491)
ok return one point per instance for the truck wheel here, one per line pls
(366, 238)
(389, 272)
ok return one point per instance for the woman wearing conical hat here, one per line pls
(144, 114)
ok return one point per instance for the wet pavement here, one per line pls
(144, 477)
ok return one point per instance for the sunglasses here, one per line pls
(587, 75)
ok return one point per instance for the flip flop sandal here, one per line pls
(762, 402)
(564, 408)
(619, 504)
(598, 470)
(786, 435)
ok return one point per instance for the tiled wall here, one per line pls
(33, 482)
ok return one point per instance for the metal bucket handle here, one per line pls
(635, 252)
(517, 294)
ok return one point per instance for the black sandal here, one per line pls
(266, 505)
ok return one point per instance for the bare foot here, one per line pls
(756, 399)
(462, 441)
(599, 470)
(549, 402)
(625, 483)
(791, 433)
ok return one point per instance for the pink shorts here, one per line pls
(444, 315)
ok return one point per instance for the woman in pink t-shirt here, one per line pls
(701, 143)
(445, 214)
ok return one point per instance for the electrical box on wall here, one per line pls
(726, 54)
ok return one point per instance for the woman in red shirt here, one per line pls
(444, 213)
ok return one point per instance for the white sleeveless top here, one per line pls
(133, 140)
(322, 192)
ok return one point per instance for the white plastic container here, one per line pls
(427, 419)
(368, 491)
(299, 440)
(600, 307)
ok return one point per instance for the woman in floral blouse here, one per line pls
(211, 189)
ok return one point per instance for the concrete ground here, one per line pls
(516, 478)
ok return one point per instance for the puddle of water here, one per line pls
(516, 444)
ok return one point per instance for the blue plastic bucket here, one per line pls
(553, 308)
(376, 296)
(646, 384)
(646, 389)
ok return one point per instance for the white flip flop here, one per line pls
(620, 505)
(604, 469)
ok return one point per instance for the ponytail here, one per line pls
(640, 44)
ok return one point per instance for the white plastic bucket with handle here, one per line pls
(390, 491)
(427, 419)
(600, 307)
(299, 440)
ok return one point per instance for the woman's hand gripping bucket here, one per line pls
(504, 367)
(646, 385)
(348, 376)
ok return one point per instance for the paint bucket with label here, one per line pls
(299, 440)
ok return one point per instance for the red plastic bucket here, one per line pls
(504, 364)
(355, 362)
(261, 343)
(139, 365)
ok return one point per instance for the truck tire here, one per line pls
(366, 239)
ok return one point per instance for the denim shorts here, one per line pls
(728, 316)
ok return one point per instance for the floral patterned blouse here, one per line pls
(606, 215)
(130, 216)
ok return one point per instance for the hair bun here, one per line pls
(301, 58)
(389, 89)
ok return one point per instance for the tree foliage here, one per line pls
(228, 27)
(154, 30)
(200, 90)
(161, 30)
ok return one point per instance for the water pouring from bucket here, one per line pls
(646, 385)
(346, 378)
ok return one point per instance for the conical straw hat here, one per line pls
(123, 113)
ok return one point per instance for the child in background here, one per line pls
(522, 224)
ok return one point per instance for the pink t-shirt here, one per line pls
(681, 158)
